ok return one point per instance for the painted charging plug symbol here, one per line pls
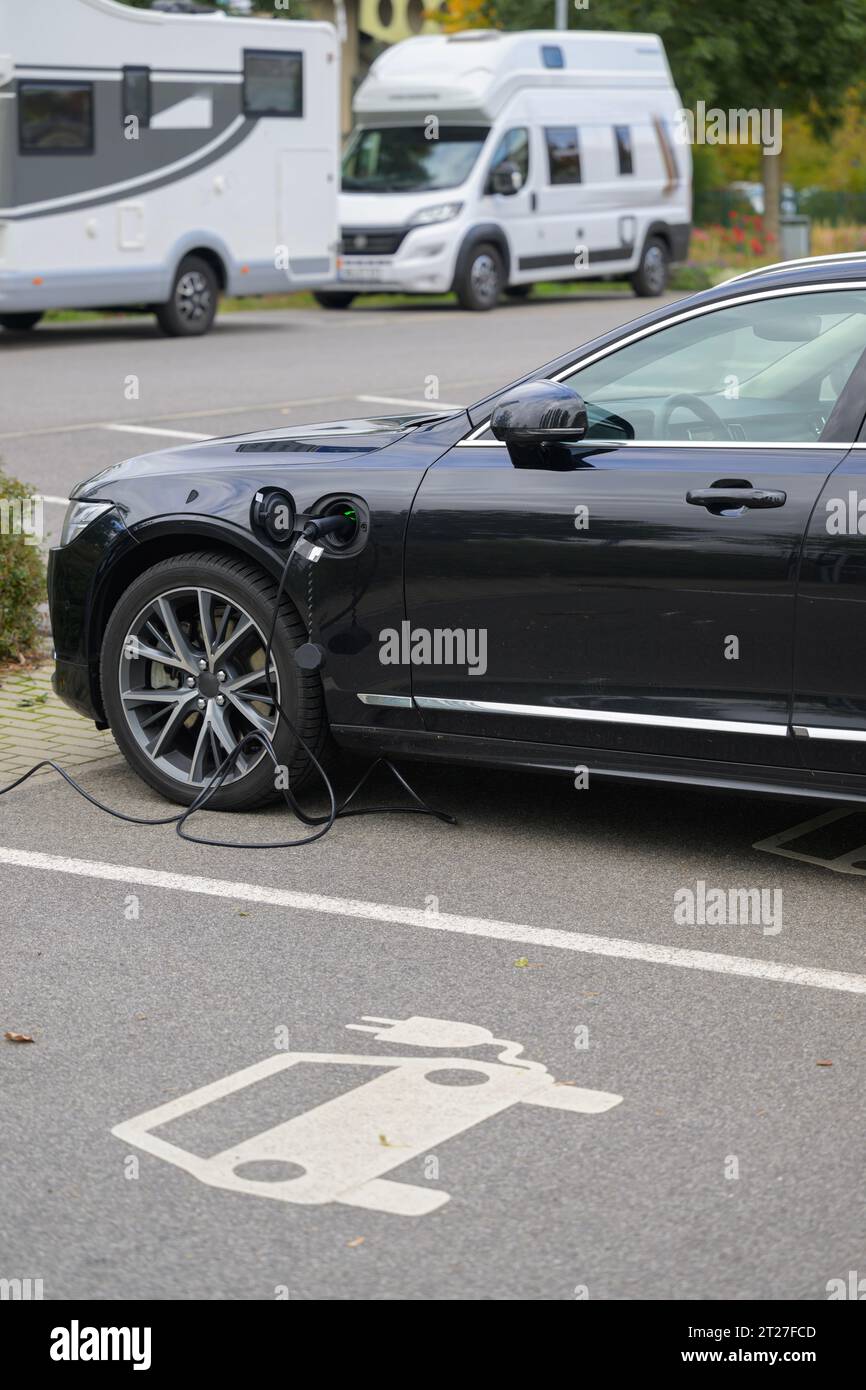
(340, 1151)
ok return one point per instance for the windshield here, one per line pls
(409, 159)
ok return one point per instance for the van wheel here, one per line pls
(481, 280)
(193, 304)
(19, 323)
(183, 682)
(651, 277)
(333, 299)
(519, 291)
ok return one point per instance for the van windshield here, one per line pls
(410, 159)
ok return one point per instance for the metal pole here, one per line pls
(561, 21)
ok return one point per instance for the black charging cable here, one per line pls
(311, 531)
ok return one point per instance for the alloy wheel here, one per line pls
(192, 684)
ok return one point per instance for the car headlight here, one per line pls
(440, 212)
(79, 515)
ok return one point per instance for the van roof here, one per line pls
(475, 72)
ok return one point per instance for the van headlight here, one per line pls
(440, 212)
(79, 516)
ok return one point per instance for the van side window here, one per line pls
(273, 83)
(552, 56)
(513, 149)
(136, 95)
(622, 136)
(55, 117)
(563, 153)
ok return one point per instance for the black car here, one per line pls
(646, 560)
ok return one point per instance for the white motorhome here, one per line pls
(158, 159)
(485, 161)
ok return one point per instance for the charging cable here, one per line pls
(313, 530)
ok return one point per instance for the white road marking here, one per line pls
(149, 429)
(839, 863)
(812, 975)
(399, 400)
(343, 1147)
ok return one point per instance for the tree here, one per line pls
(795, 56)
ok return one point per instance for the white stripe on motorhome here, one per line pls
(70, 200)
(391, 915)
(148, 429)
(399, 400)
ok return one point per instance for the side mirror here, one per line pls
(506, 179)
(538, 413)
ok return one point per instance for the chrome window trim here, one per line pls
(472, 438)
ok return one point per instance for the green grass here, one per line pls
(304, 300)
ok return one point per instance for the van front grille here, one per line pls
(371, 241)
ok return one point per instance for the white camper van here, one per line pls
(484, 161)
(158, 159)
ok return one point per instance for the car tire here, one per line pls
(651, 277)
(481, 279)
(186, 759)
(333, 299)
(193, 304)
(19, 323)
(518, 291)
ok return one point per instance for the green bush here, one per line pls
(22, 573)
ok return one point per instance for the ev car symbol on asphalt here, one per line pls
(335, 1152)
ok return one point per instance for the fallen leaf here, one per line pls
(823, 1064)
(243, 914)
(359, 1240)
(525, 964)
(18, 1037)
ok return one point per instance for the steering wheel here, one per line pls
(698, 406)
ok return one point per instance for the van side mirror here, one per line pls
(535, 414)
(506, 178)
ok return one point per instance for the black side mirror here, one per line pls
(535, 414)
(506, 179)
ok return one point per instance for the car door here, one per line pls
(515, 210)
(829, 712)
(601, 598)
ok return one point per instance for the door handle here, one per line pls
(759, 498)
(533, 202)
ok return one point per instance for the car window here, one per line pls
(563, 154)
(768, 370)
(410, 159)
(513, 148)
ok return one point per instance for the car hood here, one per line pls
(330, 442)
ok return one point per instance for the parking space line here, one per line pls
(393, 915)
(149, 429)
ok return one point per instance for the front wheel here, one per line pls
(193, 304)
(651, 277)
(183, 680)
(19, 323)
(480, 282)
(333, 299)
